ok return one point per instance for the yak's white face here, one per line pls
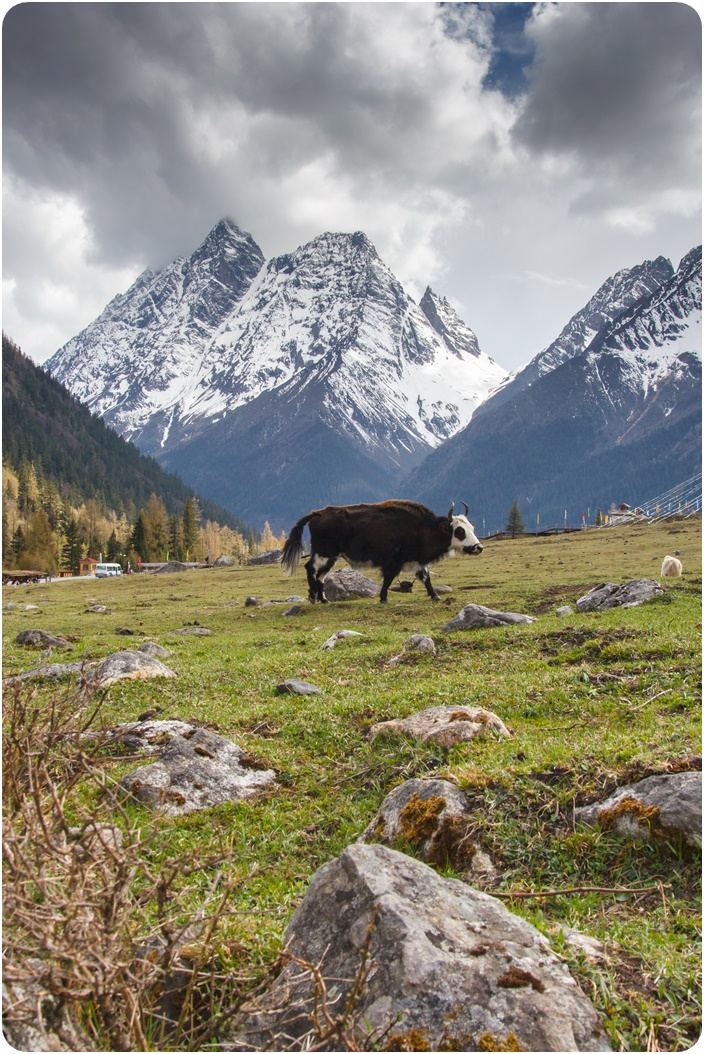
(463, 537)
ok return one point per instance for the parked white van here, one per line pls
(107, 570)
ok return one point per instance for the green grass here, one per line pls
(594, 701)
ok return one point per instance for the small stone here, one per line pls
(251, 602)
(476, 616)
(125, 631)
(295, 609)
(566, 609)
(342, 634)
(654, 808)
(150, 647)
(192, 631)
(296, 687)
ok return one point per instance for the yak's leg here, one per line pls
(389, 571)
(316, 569)
(423, 575)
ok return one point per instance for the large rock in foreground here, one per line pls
(447, 965)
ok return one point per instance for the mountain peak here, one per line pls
(458, 337)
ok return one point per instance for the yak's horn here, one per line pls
(466, 508)
(452, 509)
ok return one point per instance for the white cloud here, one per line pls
(131, 129)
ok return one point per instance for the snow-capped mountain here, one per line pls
(189, 358)
(620, 420)
(147, 349)
(618, 293)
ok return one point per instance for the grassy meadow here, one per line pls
(595, 701)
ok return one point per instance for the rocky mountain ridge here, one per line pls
(618, 421)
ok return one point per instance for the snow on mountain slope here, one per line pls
(617, 294)
(178, 355)
(619, 420)
(148, 348)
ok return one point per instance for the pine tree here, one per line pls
(138, 539)
(112, 549)
(17, 545)
(72, 549)
(514, 524)
(191, 536)
(156, 525)
(175, 536)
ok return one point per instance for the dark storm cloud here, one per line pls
(617, 85)
(141, 109)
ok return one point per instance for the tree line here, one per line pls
(43, 531)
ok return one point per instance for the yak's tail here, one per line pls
(294, 547)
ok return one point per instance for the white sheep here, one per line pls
(671, 567)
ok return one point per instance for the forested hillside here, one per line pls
(43, 424)
(72, 488)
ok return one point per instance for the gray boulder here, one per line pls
(419, 642)
(52, 671)
(347, 584)
(476, 616)
(196, 771)
(270, 556)
(295, 687)
(150, 647)
(147, 737)
(174, 566)
(444, 725)
(449, 964)
(611, 595)
(224, 561)
(127, 666)
(432, 817)
(39, 638)
(656, 807)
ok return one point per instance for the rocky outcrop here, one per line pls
(347, 584)
(476, 616)
(611, 595)
(127, 666)
(39, 638)
(195, 770)
(445, 964)
(444, 725)
(432, 818)
(270, 556)
(659, 807)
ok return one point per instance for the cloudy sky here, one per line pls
(511, 155)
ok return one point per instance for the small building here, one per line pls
(87, 566)
(623, 513)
